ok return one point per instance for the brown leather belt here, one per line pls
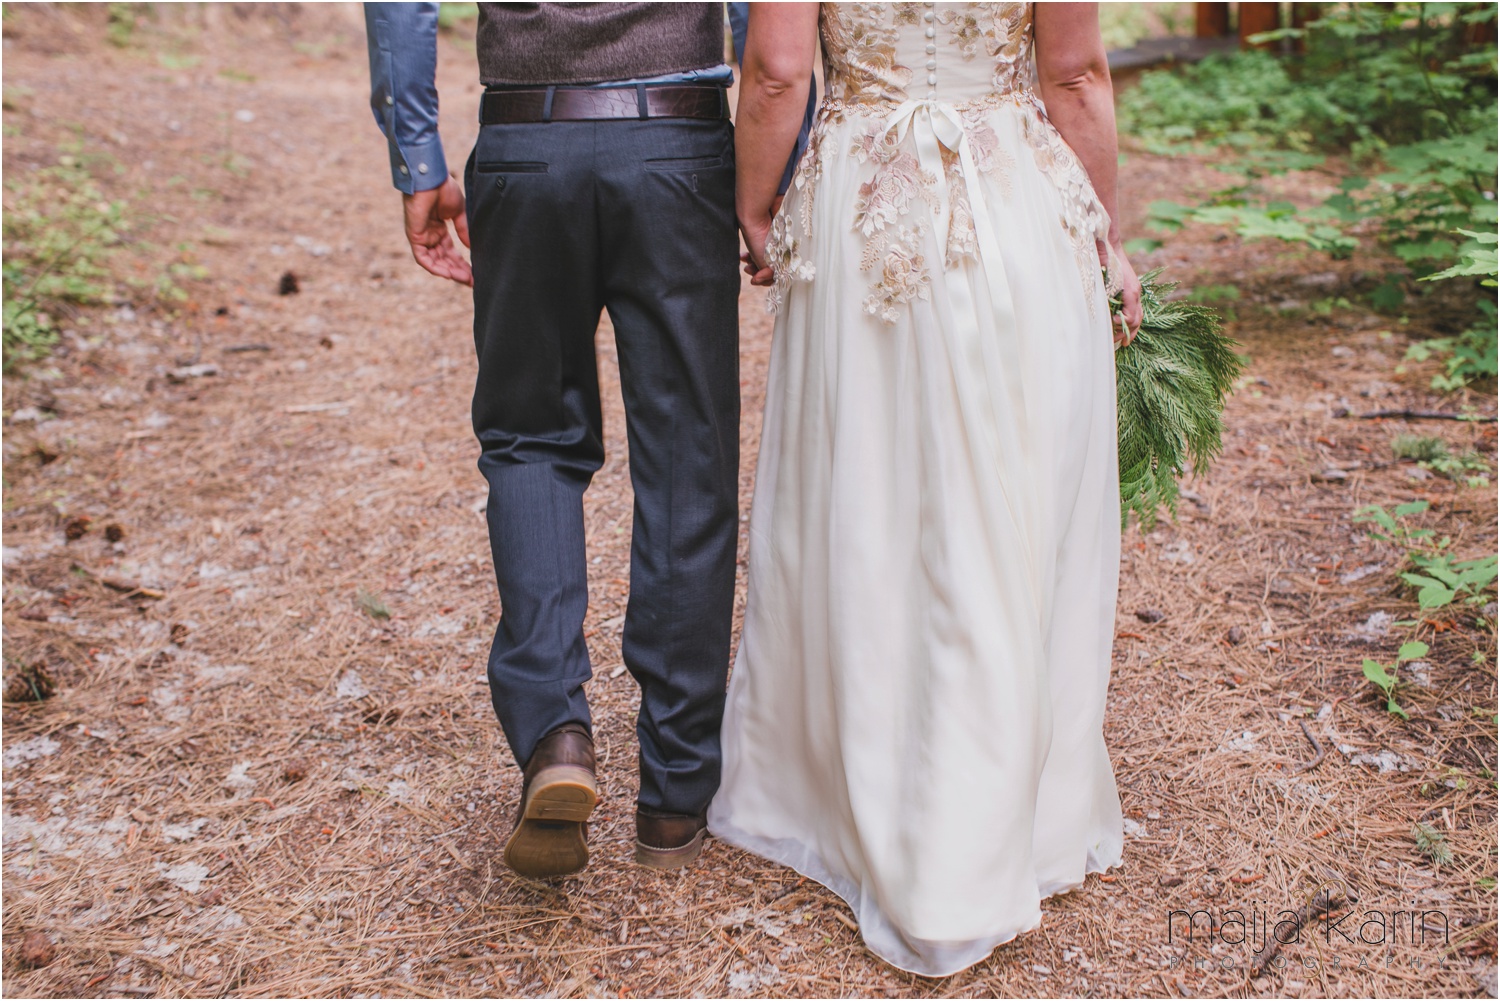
(583, 104)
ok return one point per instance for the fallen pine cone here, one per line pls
(36, 951)
(31, 683)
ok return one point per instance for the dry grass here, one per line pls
(253, 786)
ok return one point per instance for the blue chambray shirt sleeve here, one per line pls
(402, 39)
(739, 23)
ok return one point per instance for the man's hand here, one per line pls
(427, 215)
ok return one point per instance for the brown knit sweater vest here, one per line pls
(575, 43)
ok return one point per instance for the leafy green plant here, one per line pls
(1392, 526)
(1170, 383)
(59, 232)
(1383, 676)
(451, 15)
(372, 604)
(121, 23)
(1468, 467)
(1406, 102)
(1439, 578)
(1472, 354)
(1442, 580)
(1423, 449)
(1432, 843)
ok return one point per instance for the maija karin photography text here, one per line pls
(1257, 928)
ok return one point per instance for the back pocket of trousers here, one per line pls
(505, 167)
(686, 163)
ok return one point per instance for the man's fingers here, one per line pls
(461, 227)
(444, 261)
(430, 262)
(427, 214)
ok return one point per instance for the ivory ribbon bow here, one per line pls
(933, 124)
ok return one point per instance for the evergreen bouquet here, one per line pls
(1170, 384)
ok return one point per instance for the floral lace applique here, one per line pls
(1008, 30)
(783, 249)
(810, 171)
(898, 179)
(903, 272)
(783, 253)
(866, 83)
(883, 201)
(989, 158)
(963, 240)
(1083, 215)
(907, 13)
(859, 54)
(963, 30)
(898, 182)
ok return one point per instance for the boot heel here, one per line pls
(558, 795)
(562, 792)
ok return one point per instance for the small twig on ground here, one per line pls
(129, 587)
(1323, 903)
(240, 348)
(1319, 751)
(1426, 415)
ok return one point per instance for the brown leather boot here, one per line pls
(667, 840)
(557, 796)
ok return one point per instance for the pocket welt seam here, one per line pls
(507, 167)
(685, 163)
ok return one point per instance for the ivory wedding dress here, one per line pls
(915, 718)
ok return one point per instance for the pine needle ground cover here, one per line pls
(253, 785)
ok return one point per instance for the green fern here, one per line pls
(1170, 384)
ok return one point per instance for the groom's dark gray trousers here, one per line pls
(635, 217)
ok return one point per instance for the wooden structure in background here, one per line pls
(1211, 20)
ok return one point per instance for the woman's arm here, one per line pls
(777, 69)
(1073, 73)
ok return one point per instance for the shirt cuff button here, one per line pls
(421, 168)
(403, 169)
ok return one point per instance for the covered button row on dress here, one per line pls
(931, 33)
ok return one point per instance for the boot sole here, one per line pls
(669, 858)
(549, 839)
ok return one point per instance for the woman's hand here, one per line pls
(756, 233)
(1127, 322)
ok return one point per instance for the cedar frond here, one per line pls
(1170, 386)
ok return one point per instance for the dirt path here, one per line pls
(251, 784)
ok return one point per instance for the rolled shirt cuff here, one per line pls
(418, 168)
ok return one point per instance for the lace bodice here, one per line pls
(927, 103)
(884, 53)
